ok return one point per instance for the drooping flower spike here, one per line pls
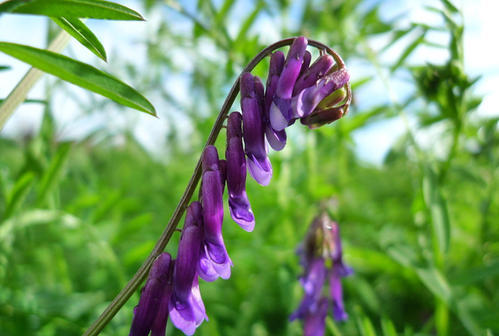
(317, 93)
(321, 247)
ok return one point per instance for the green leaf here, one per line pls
(82, 34)
(439, 214)
(95, 9)
(18, 194)
(80, 74)
(51, 176)
(408, 51)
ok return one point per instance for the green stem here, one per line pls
(18, 95)
(142, 272)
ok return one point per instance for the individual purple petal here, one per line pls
(158, 327)
(281, 113)
(315, 321)
(188, 314)
(292, 67)
(239, 205)
(157, 289)
(276, 139)
(240, 210)
(307, 57)
(187, 259)
(307, 100)
(261, 170)
(336, 291)
(251, 105)
(337, 252)
(312, 283)
(314, 73)
(212, 204)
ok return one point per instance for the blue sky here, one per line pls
(372, 142)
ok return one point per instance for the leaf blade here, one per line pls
(96, 9)
(82, 34)
(80, 74)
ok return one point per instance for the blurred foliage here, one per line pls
(77, 218)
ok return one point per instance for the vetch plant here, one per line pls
(316, 94)
(321, 256)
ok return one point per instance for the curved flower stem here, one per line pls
(142, 272)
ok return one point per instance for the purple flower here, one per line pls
(186, 307)
(276, 139)
(307, 100)
(315, 320)
(151, 314)
(281, 114)
(336, 292)
(307, 58)
(239, 205)
(214, 261)
(251, 106)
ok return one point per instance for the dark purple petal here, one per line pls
(210, 158)
(187, 259)
(292, 67)
(157, 289)
(276, 139)
(158, 327)
(307, 57)
(315, 321)
(188, 314)
(213, 245)
(314, 73)
(251, 105)
(336, 290)
(307, 100)
(241, 212)
(193, 215)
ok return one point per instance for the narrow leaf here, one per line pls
(82, 34)
(80, 74)
(18, 194)
(4, 67)
(408, 51)
(51, 176)
(439, 214)
(96, 9)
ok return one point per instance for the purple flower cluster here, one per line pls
(294, 90)
(322, 247)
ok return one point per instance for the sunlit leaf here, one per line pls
(18, 194)
(96, 9)
(80, 74)
(80, 32)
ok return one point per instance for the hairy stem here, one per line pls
(19, 93)
(142, 272)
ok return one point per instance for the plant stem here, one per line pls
(142, 272)
(19, 93)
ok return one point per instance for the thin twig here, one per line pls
(142, 272)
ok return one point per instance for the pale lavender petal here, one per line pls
(260, 169)
(188, 314)
(276, 139)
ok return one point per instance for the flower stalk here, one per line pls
(171, 227)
